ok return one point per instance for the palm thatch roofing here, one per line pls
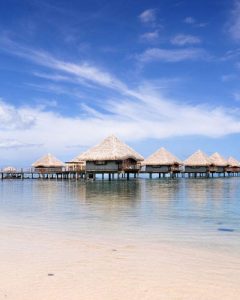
(9, 170)
(232, 162)
(48, 161)
(111, 148)
(197, 159)
(217, 160)
(161, 158)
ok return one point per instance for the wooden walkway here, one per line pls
(82, 175)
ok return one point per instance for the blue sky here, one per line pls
(155, 73)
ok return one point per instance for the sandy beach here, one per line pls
(40, 265)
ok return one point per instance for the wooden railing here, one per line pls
(175, 168)
(129, 167)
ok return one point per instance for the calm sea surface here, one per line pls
(197, 212)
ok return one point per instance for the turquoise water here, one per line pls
(196, 212)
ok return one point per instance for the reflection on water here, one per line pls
(183, 210)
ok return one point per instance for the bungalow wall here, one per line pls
(157, 169)
(198, 169)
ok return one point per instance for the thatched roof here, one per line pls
(75, 160)
(217, 160)
(232, 162)
(197, 159)
(111, 148)
(48, 161)
(162, 158)
(9, 170)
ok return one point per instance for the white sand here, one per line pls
(110, 269)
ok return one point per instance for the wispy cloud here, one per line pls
(172, 55)
(228, 77)
(56, 89)
(82, 71)
(185, 39)
(189, 20)
(15, 144)
(148, 16)
(236, 96)
(53, 77)
(192, 21)
(150, 36)
(234, 24)
(132, 113)
(231, 54)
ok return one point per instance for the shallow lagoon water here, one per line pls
(193, 212)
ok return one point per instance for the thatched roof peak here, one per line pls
(111, 148)
(48, 161)
(233, 162)
(162, 157)
(199, 158)
(217, 160)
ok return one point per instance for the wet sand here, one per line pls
(48, 265)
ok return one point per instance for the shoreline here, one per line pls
(49, 265)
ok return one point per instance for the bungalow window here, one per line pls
(197, 167)
(100, 162)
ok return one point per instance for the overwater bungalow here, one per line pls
(163, 162)
(233, 165)
(48, 164)
(10, 170)
(198, 162)
(218, 163)
(111, 155)
(76, 165)
(10, 173)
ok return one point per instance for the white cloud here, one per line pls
(172, 55)
(185, 39)
(11, 119)
(234, 27)
(148, 16)
(150, 36)
(147, 115)
(189, 20)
